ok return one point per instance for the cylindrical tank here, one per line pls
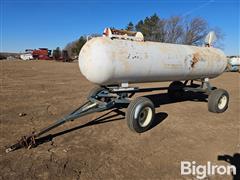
(108, 61)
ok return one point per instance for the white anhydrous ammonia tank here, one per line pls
(108, 61)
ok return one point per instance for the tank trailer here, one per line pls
(119, 58)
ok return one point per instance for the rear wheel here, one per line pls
(218, 101)
(175, 90)
(140, 114)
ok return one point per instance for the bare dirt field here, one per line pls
(106, 148)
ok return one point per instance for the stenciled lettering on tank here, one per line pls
(171, 61)
(134, 56)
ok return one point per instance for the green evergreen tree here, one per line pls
(130, 27)
(57, 53)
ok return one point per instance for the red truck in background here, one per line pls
(46, 54)
(42, 54)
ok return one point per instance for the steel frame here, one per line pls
(114, 95)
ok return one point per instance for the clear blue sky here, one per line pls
(52, 23)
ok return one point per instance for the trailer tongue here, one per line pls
(91, 106)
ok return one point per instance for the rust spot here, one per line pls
(195, 59)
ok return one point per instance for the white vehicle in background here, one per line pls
(26, 57)
(233, 64)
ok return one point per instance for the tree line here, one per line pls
(175, 29)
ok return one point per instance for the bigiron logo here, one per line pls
(202, 171)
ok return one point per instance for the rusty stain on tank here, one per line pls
(195, 59)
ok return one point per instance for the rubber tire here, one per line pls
(94, 91)
(213, 100)
(133, 123)
(175, 90)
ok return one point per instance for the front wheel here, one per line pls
(140, 114)
(218, 101)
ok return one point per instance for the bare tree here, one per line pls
(73, 48)
(220, 37)
(69, 48)
(174, 30)
(161, 31)
(177, 29)
(194, 31)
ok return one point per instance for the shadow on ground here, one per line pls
(105, 118)
(163, 98)
(158, 99)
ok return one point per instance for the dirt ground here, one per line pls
(107, 149)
